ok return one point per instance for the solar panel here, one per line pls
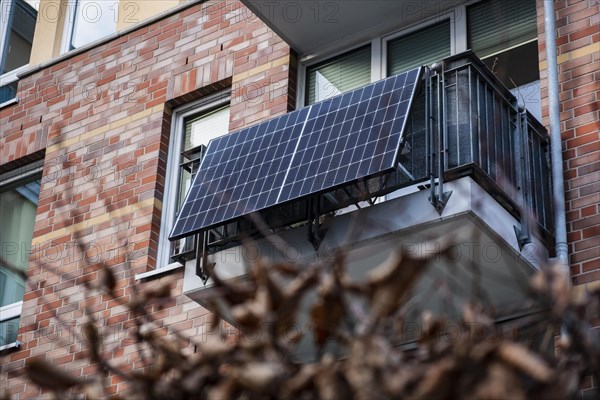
(311, 150)
(349, 137)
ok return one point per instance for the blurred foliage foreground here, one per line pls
(365, 319)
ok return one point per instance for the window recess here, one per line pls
(19, 191)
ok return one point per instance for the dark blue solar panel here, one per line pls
(357, 136)
(336, 141)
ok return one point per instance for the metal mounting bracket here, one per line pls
(315, 230)
(523, 237)
(203, 266)
(439, 203)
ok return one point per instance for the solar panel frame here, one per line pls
(238, 179)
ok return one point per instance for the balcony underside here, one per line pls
(482, 232)
(312, 26)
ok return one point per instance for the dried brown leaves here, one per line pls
(367, 360)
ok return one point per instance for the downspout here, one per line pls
(558, 195)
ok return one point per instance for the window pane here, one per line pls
(92, 21)
(338, 75)
(18, 207)
(201, 129)
(8, 331)
(8, 92)
(495, 25)
(423, 47)
(504, 35)
(17, 45)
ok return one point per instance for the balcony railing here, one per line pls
(463, 122)
(476, 128)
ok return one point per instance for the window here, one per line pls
(355, 68)
(88, 21)
(17, 25)
(19, 191)
(194, 126)
(504, 35)
(338, 75)
(423, 47)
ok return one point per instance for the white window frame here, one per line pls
(5, 17)
(176, 138)
(9, 312)
(69, 25)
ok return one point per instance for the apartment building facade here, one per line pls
(107, 109)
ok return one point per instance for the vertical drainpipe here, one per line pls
(558, 195)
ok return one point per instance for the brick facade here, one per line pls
(578, 53)
(101, 120)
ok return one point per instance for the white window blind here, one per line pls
(200, 130)
(496, 25)
(338, 75)
(422, 47)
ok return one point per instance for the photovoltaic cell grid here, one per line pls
(336, 141)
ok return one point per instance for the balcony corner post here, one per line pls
(203, 267)
(438, 197)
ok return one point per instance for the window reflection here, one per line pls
(92, 20)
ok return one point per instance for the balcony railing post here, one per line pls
(522, 175)
(439, 198)
(428, 141)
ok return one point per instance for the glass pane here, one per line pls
(18, 207)
(92, 21)
(201, 129)
(496, 25)
(516, 67)
(338, 75)
(8, 331)
(8, 92)
(423, 47)
(504, 35)
(21, 26)
(186, 182)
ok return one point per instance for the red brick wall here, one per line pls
(103, 118)
(578, 41)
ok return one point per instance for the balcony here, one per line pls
(466, 123)
(473, 166)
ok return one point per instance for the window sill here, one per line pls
(14, 345)
(159, 271)
(9, 102)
